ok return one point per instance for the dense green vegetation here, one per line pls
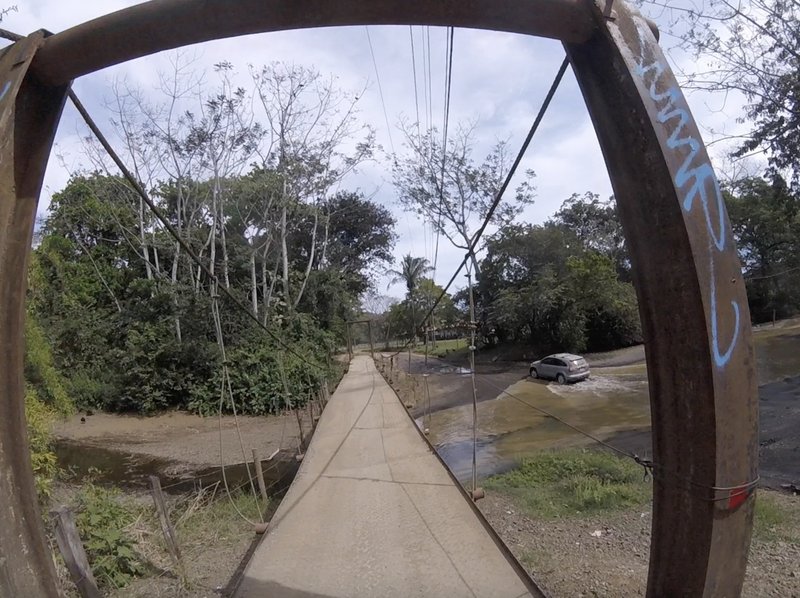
(562, 285)
(765, 217)
(103, 522)
(126, 340)
(45, 399)
(135, 325)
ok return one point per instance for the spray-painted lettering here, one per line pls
(696, 180)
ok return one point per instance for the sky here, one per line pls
(498, 82)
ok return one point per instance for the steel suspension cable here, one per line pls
(174, 233)
(225, 384)
(445, 121)
(472, 325)
(477, 237)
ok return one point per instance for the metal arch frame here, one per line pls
(687, 274)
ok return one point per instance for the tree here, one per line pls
(754, 48)
(449, 190)
(596, 225)
(765, 218)
(312, 146)
(411, 272)
(402, 316)
(542, 287)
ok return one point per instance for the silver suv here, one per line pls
(563, 367)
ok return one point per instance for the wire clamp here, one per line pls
(647, 466)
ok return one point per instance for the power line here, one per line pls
(414, 68)
(380, 90)
(477, 237)
(430, 85)
(446, 120)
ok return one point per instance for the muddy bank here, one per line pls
(183, 450)
(183, 440)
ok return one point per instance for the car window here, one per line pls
(559, 363)
(549, 361)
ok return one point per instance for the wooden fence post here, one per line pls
(163, 518)
(71, 548)
(260, 476)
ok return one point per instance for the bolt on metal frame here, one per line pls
(692, 299)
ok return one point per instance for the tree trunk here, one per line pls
(253, 282)
(285, 257)
(143, 241)
(312, 253)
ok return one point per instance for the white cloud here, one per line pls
(499, 80)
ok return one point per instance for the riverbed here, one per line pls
(612, 405)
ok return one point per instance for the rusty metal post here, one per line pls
(29, 115)
(693, 308)
(158, 25)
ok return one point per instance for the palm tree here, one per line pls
(412, 271)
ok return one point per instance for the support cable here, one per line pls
(446, 121)
(175, 234)
(225, 384)
(472, 325)
(477, 237)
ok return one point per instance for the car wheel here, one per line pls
(561, 379)
(534, 373)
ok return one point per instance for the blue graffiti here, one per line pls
(6, 87)
(702, 186)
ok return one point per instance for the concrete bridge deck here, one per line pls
(374, 513)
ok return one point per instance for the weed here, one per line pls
(39, 418)
(213, 513)
(573, 482)
(102, 520)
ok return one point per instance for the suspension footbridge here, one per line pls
(373, 512)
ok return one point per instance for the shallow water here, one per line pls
(515, 423)
(777, 356)
(612, 400)
(83, 462)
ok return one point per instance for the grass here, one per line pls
(443, 347)
(572, 483)
(776, 518)
(211, 515)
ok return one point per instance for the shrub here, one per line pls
(101, 521)
(43, 461)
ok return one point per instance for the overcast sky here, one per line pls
(499, 80)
